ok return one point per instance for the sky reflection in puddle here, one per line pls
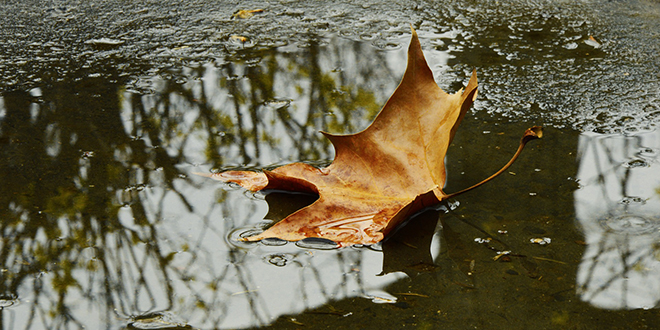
(105, 222)
(618, 207)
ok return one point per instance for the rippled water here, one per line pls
(109, 109)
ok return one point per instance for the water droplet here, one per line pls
(277, 103)
(378, 247)
(104, 43)
(648, 153)
(272, 241)
(278, 259)
(250, 232)
(7, 300)
(385, 44)
(635, 163)
(627, 200)
(236, 236)
(629, 224)
(317, 244)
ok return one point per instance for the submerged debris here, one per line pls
(541, 241)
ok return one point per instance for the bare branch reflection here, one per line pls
(617, 207)
(103, 222)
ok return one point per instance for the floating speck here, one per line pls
(541, 241)
(7, 300)
(278, 259)
(317, 244)
(277, 103)
(272, 241)
(636, 163)
(593, 42)
(104, 42)
(630, 224)
(627, 200)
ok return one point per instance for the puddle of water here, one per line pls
(106, 225)
(618, 207)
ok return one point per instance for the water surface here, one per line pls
(109, 109)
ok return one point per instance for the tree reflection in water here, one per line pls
(103, 221)
(618, 207)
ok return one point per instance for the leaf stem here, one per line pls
(532, 133)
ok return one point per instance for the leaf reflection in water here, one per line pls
(618, 208)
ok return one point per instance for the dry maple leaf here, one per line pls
(380, 176)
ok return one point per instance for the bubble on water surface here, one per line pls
(380, 297)
(237, 236)
(104, 42)
(648, 153)
(317, 244)
(629, 224)
(628, 200)
(277, 103)
(541, 240)
(272, 241)
(278, 259)
(158, 320)
(7, 300)
(636, 163)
